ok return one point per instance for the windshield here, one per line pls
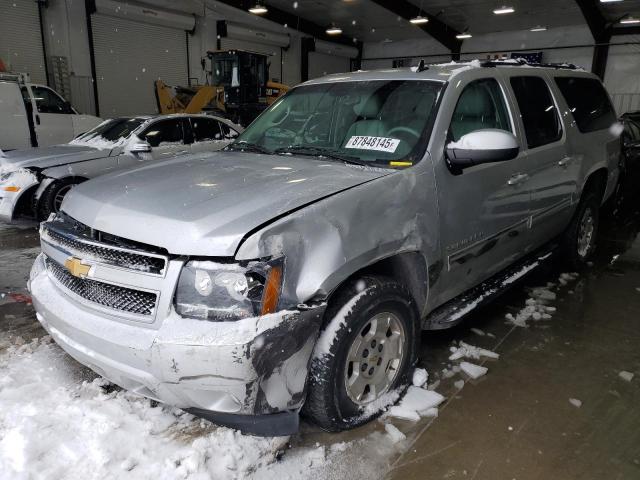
(110, 133)
(380, 122)
(225, 71)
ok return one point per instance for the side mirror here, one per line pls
(140, 147)
(482, 146)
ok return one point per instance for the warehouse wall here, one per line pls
(66, 36)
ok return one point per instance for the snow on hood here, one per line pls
(49, 156)
(205, 204)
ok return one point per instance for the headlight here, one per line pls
(5, 176)
(226, 292)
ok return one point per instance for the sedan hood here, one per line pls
(205, 204)
(49, 156)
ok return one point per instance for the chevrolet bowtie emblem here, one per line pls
(76, 267)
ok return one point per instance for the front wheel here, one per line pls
(52, 197)
(580, 237)
(365, 351)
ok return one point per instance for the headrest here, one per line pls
(475, 101)
(370, 109)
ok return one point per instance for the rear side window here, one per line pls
(589, 103)
(163, 132)
(538, 111)
(205, 129)
(228, 132)
(481, 105)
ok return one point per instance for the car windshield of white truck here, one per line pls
(109, 134)
(382, 122)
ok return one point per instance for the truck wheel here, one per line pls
(579, 243)
(365, 351)
(52, 197)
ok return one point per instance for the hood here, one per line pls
(49, 156)
(206, 204)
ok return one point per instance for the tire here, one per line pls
(579, 242)
(359, 315)
(52, 197)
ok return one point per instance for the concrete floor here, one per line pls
(516, 422)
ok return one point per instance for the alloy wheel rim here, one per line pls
(57, 200)
(586, 233)
(374, 358)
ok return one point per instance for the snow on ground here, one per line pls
(575, 402)
(416, 403)
(464, 350)
(626, 376)
(472, 370)
(58, 421)
(537, 305)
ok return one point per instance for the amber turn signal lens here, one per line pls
(272, 291)
(11, 189)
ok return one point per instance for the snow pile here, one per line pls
(575, 402)
(537, 305)
(395, 434)
(416, 403)
(420, 377)
(464, 350)
(54, 425)
(474, 371)
(626, 376)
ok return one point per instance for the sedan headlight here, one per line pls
(226, 292)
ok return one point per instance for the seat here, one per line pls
(369, 123)
(474, 111)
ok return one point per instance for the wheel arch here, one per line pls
(597, 179)
(409, 268)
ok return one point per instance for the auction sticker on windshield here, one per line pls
(381, 144)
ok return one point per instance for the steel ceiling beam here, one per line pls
(439, 30)
(601, 31)
(292, 21)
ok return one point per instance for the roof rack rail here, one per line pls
(14, 77)
(521, 62)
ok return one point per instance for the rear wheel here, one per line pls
(580, 237)
(52, 197)
(366, 350)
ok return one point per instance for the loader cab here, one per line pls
(244, 77)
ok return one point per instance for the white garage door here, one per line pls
(130, 57)
(321, 64)
(272, 51)
(20, 38)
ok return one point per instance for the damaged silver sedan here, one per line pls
(293, 271)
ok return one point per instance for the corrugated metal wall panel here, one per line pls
(20, 38)
(130, 56)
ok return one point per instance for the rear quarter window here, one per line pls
(588, 101)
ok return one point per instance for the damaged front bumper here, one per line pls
(248, 374)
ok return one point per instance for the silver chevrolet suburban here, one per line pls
(292, 272)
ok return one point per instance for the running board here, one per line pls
(455, 310)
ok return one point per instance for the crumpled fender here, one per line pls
(326, 242)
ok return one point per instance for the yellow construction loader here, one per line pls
(240, 88)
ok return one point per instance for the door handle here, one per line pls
(565, 161)
(37, 119)
(518, 178)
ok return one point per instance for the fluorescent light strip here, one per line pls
(462, 36)
(419, 20)
(503, 10)
(629, 21)
(538, 29)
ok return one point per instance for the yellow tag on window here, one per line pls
(400, 164)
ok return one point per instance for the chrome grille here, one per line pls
(105, 254)
(110, 296)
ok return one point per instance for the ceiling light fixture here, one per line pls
(333, 30)
(629, 20)
(538, 28)
(419, 20)
(258, 9)
(502, 10)
(609, 1)
(463, 35)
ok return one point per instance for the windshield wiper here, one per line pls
(319, 152)
(248, 147)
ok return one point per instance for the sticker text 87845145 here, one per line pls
(380, 144)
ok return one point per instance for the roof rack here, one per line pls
(521, 62)
(14, 77)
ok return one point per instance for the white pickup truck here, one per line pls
(36, 116)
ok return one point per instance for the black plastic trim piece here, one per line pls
(265, 425)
